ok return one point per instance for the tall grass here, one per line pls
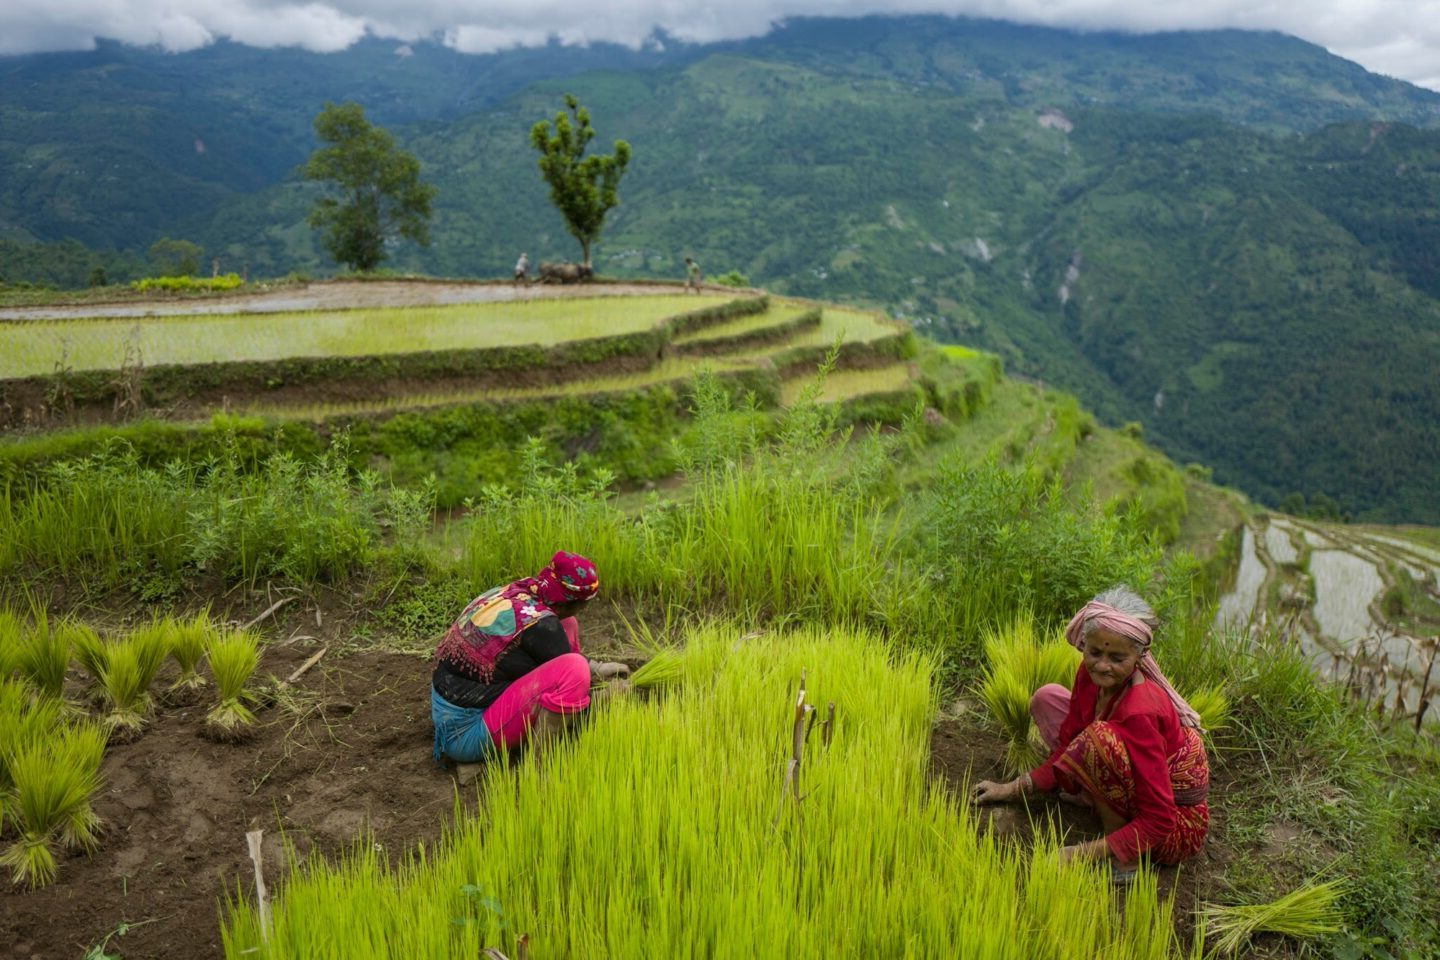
(787, 531)
(676, 855)
(110, 521)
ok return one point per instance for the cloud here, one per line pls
(1398, 38)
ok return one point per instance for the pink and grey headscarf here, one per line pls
(1116, 621)
(568, 578)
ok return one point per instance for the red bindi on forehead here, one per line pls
(1107, 641)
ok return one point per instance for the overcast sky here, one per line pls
(1399, 38)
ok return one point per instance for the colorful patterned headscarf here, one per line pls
(1108, 618)
(568, 578)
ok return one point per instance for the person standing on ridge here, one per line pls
(522, 269)
(692, 275)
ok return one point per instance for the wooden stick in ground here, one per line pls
(314, 659)
(1424, 702)
(827, 729)
(791, 783)
(268, 611)
(252, 840)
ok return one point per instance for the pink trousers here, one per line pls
(561, 686)
(1048, 708)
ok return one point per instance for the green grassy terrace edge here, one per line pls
(457, 443)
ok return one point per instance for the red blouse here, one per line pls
(1148, 725)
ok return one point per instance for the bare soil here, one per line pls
(344, 757)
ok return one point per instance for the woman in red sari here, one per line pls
(1123, 742)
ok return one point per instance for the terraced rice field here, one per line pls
(36, 348)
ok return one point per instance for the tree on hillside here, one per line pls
(175, 258)
(382, 195)
(582, 188)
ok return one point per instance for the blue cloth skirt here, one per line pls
(460, 732)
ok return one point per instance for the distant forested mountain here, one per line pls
(1229, 237)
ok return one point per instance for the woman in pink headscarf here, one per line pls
(1123, 742)
(510, 669)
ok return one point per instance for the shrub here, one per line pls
(226, 281)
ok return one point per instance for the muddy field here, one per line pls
(340, 757)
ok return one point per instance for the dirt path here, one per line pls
(340, 295)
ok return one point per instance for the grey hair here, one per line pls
(1128, 602)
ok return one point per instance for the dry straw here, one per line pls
(1310, 911)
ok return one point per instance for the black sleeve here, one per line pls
(545, 640)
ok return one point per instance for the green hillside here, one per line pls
(1261, 304)
(1258, 290)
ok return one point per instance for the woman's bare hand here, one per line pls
(610, 690)
(610, 670)
(988, 791)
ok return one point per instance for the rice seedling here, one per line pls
(233, 658)
(1019, 664)
(1309, 911)
(677, 856)
(130, 666)
(189, 639)
(23, 717)
(12, 630)
(90, 652)
(844, 384)
(1213, 707)
(663, 669)
(43, 655)
(55, 775)
(28, 349)
(84, 750)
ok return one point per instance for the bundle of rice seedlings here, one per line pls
(85, 750)
(89, 651)
(1310, 911)
(188, 642)
(233, 658)
(11, 631)
(55, 776)
(662, 670)
(1213, 707)
(129, 670)
(1019, 664)
(43, 655)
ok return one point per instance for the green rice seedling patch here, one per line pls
(779, 314)
(844, 384)
(667, 828)
(860, 326)
(39, 348)
(669, 370)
